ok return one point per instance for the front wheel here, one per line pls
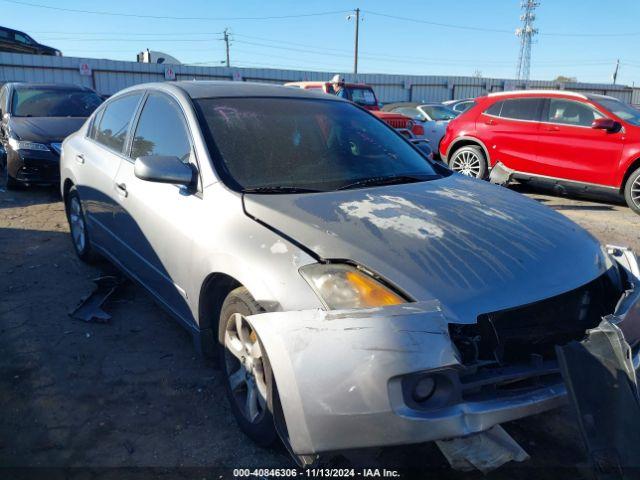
(470, 161)
(632, 191)
(249, 381)
(78, 227)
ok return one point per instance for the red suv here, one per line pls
(587, 141)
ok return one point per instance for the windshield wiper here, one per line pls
(278, 189)
(376, 181)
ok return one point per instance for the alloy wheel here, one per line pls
(635, 192)
(467, 163)
(245, 368)
(76, 222)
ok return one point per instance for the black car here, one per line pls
(36, 118)
(15, 41)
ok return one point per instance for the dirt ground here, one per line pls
(132, 392)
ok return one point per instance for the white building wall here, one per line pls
(109, 76)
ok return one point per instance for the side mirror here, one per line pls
(607, 124)
(164, 169)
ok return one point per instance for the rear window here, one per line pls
(517, 109)
(494, 109)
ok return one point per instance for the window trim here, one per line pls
(225, 178)
(136, 121)
(539, 113)
(101, 111)
(547, 106)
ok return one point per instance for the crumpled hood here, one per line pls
(45, 129)
(473, 246)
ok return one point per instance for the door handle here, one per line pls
(552, 128)
(122, 189)
(80, 159)
(491, 121)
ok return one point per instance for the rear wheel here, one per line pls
(249, 381)
(632, 191)
(470, 161)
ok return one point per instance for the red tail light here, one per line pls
(417, 130)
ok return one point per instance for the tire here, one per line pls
(78, 227)
(13, 184)
(632, 191)
(248, 377)
(469, 160)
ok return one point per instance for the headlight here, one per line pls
(341, 286)
(22, 145)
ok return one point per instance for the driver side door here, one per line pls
(158, 219)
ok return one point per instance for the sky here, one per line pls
(577, 38)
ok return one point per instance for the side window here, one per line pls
(20, 38)
(93, 130)
(569, 112)
(494, 109)
(161, 130)
(4, 34)
(464, 106)
(521, 109)
(114, 124)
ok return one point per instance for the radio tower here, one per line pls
(526, 33)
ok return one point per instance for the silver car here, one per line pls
(434, 118)
(358, 293)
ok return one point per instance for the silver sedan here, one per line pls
(357, 293)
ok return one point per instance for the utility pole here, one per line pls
(526, 33)
(355, 51)
(226, 41)
(615, 72)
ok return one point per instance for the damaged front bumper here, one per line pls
(362, 378)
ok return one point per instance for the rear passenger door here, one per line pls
(158, 218)
(570, 149)
(510, 130)
(96, 169)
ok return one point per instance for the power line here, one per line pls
(496, 30)
(164, 17)
(438, 24)
(315, 14)
(50, 32)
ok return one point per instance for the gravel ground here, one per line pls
(132, 392)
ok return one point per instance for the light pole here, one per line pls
(226, 41)
(355, 51)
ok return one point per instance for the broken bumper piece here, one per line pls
(377, 377)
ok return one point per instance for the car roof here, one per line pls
(560, 93)
(319, 83)
(390, 106)
(11, 30)
(228, 89)
(51, 86)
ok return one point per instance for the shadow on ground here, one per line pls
(132, 392)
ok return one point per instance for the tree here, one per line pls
(563, 79)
